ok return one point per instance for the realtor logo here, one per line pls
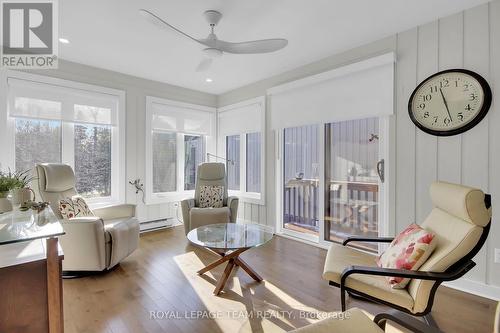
(29, 34)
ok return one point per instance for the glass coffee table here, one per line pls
(229, 240)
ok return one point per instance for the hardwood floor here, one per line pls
(157, 290)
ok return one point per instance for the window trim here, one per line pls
(244, 196)
(118, 183)
(208, 147)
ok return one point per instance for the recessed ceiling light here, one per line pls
(64, 40)
(208, 79)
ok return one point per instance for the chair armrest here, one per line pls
(186, 206)
(188, 203)
(83, 244)
(419, 275)
(115, 211)
(367, 239)
(232, 203)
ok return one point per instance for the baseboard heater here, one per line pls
(156, 224)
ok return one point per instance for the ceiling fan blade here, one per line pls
(153, 18)
(256, 46)
(204, 65)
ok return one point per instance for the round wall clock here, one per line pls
(450, 102)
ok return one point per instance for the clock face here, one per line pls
(450, 102)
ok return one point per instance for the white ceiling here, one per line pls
(111, 34)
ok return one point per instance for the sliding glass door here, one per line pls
(351, 179)
(331, 180)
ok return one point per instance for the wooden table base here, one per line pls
(232, 259)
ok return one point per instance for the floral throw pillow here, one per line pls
(74, 207)
(211, 196)
(409, 250)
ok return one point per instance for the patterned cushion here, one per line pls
(409, 250)
(74, 207)
(211, 196)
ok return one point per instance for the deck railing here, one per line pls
(301, 203)
(351, 209)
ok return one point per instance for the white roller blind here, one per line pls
(178, 118)
(242, 118)
(363, 89)
(29, 99)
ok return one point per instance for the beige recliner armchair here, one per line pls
(94, 243)
(193, 216)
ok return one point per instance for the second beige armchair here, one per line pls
(209, 174)
(92, 243)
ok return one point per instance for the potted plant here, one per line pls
(22, 191)
(7, 183)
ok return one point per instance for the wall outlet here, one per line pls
(497, 256)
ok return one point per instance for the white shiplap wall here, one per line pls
(252, 213)
(470, 39)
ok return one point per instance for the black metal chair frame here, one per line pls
(404, 320)
(454, 272)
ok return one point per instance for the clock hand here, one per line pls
(445, 103)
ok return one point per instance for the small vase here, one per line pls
(5, 204)
(21, 195)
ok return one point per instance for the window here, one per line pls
(164, 161)
(178, 136)
(253, 154)
(193, 152)
(233, 162)
(241, 138)
(58, 121)
(93, 160)
(36, 141)
(301, 179)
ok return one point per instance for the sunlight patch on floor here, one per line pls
(246, 306)
(234, 305)
(189, 264)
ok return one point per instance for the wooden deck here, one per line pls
(161, 276)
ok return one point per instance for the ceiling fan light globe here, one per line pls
(212, 52)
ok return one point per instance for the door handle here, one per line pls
(381, 170)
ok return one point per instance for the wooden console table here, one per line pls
(30, 272)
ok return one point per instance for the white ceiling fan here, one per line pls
(214, 47)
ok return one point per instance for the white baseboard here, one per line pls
(476, 288)
(155, 225)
